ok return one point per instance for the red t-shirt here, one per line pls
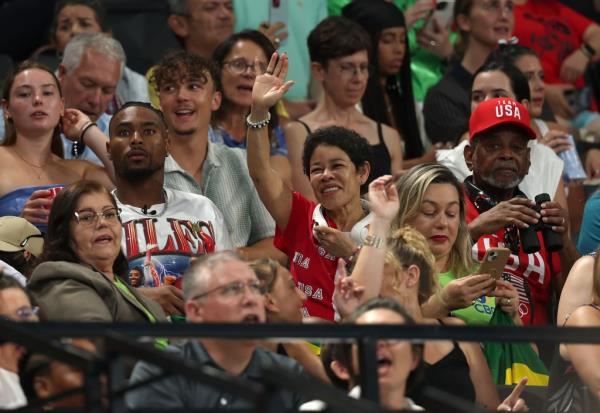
(553, 30)
(312, 267)
(533, 269)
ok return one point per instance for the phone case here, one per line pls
(494, 262)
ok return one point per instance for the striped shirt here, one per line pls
(226, 181)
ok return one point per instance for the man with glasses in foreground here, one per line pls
(217, 288)
(15, 305)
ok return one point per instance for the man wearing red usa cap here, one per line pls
(498, 156)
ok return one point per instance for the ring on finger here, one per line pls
(563, 221)
(277, 42)
(508, 301)
(432, 43)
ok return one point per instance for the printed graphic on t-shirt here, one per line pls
(162, 249)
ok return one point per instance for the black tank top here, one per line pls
(382, 162)
(451, 375)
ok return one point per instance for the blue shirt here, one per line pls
(589, 235)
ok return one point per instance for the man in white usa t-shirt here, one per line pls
(163, 228)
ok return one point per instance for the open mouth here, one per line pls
(330, 190)
(251, 319)
(184, 113)
(245, 88)
(39, 114)
(103, 239)
(383, 365)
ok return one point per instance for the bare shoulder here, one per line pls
(584, 316)
(295, 128)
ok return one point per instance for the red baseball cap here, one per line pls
(499, 111)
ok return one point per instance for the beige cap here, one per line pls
(17, 234)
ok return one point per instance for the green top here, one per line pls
(479, 313)
(427, 69)
(159, 343)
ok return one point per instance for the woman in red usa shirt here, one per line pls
(314, 236)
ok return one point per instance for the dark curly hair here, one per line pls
(57, 246)
(177, 66)
(336, 37)
(356, 147)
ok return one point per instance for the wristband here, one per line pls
(85, 129)
(260, 123)
(587, 50)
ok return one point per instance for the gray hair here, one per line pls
(180, 7)
(200, 271)
(99, 42)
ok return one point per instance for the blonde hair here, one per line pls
(266, 272)
(406, 247)
(411, 190)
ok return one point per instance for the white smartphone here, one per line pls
(442, 12)
(279, 12)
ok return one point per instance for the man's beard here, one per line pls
(491, 181)
(136, 175)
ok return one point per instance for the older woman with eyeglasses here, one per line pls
(80, 270)
(239, 59)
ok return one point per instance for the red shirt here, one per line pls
(312, 267)
(553, 30)
(533, 269)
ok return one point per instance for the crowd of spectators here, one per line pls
(375, 165)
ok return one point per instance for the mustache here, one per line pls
(505, 165)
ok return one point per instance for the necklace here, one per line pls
(40, 167)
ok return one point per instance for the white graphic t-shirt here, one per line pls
(159, 241)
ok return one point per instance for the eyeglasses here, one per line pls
(496, 6)
(235, 289)
(23, 314)
(240, 66)
(26, 240)
(348, 70)
(89, 218)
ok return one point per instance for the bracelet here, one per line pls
(85, 129)
(374, 241)
(260, 123)
(587, 50)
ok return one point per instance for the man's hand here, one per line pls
(516, 211)
(334, 241)
(37, 207)
(573, 66)
(169, 297)
(556, 216)
(461, 293)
